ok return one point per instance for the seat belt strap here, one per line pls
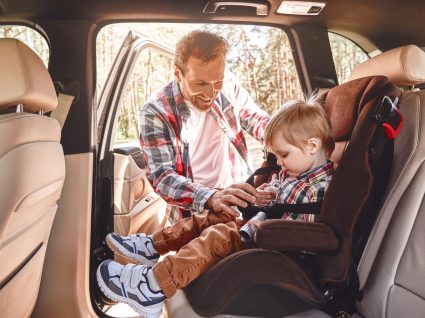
(60, 113)
(277, 210)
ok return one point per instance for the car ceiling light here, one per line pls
(300, 7)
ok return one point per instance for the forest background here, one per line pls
(260, 56)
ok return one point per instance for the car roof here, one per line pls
(377, 24)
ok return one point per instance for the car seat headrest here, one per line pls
(343, 105)
(404, 66)
(24, 79)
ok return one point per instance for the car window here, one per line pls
(30, 37)
(346, 54)
(260, 57)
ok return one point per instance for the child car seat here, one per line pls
(315, 267)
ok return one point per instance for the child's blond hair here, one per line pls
(297, 121)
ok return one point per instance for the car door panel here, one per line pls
(137, 208)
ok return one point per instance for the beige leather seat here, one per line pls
(32, 172)
(392, 268)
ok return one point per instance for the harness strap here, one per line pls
(277, 210)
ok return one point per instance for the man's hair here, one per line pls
(297, 121)
(203, 45)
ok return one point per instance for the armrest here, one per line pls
(283, 235)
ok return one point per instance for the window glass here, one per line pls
(260, 57)
(346, 54)
(30, 37)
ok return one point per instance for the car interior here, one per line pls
(65, 184)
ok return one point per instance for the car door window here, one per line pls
(346, 54)
(30, 37)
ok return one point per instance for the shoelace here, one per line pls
(132, 274)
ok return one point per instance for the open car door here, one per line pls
(125, 202)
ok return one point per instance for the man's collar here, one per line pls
(181, 108)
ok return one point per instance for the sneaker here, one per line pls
(136, 247)
(129, 284)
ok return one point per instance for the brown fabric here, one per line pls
(344, 103)
(196, 257)
(214, 291)
(290, 236)
(172, 238)
(336, 155)
(351, 186)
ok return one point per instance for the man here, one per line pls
(191, 131)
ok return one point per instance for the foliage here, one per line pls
(260, 56)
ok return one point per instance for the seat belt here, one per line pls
(277, 210)
(60, 113)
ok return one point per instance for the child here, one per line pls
(300, 136)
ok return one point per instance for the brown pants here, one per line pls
(201, 241)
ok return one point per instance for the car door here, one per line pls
(125, 200)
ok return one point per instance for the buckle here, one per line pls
(389, 116)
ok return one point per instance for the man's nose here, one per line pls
(210, 91)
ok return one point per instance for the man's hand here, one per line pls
(239, 194)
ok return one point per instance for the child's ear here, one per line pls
(313, 145)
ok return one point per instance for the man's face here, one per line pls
(202, 81)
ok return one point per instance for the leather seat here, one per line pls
(32, 172)
(391, 270)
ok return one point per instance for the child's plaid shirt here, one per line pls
(307, 188)
(167, 155)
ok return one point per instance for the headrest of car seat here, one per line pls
(24, 79)
(344, 103)
(404, 66)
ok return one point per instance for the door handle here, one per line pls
(261, 7)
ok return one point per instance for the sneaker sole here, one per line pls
(153, 311)
(118, 249)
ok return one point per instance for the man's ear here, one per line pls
(313, 145)
(177, 74)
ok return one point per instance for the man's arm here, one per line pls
(158, 145)
(253, 119)
(159, 148)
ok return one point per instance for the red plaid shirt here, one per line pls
(167, 156)
(306, 188)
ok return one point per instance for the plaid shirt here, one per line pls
(306, 188)
(167, 155)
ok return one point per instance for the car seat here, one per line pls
(32, 172)
(402, 70)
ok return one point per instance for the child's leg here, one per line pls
(174, 237)
(146, 249)
(193, 259)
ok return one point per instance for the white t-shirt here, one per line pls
(206, 157)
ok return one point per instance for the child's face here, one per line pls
(294, 159)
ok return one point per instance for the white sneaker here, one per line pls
(129, 284)
(136, 247)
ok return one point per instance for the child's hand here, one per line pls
(265, 195)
